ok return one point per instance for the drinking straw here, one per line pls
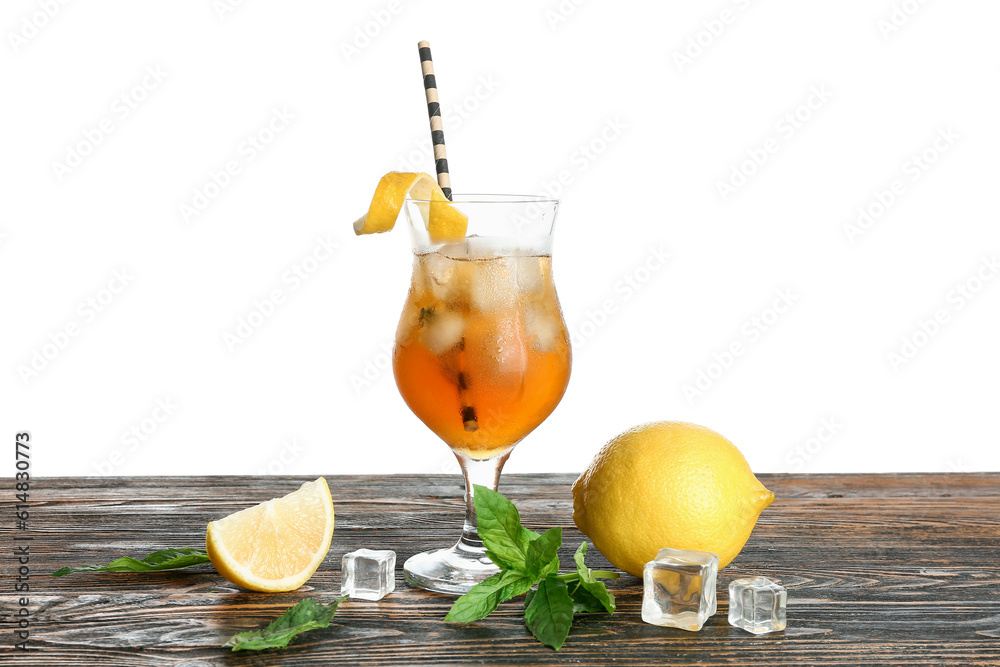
(468, 412)
(434, 113)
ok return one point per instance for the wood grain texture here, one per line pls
(880, 570)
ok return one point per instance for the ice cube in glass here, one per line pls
(368, 574)
(757, 605)
(679, 588)
(441, 329)
(544, 328)
(529, 274)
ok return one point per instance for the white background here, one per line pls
(525, 89)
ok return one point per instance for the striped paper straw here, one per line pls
(434, 112)
(468, 412)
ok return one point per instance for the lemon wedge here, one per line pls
(443, 221)
(276, 545)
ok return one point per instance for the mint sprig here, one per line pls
(166, 559)
(306, 615)
(525, 559)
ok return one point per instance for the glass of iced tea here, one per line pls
(482, 354)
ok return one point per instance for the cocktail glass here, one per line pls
(482, 354)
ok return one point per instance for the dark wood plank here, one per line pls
(881, 569)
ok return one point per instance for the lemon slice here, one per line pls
(443, 221)
(276, 545)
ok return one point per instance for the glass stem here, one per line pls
(484, 473)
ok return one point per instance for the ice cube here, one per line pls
(409, 322)
(485, 247)
(368, 574)
(757, 605)
(438, 279)
(529, 274)
(679, 588)
(442, 330)
(439, 268)
(484, 295)
(492, 284)
(455, 250)
(544, 328)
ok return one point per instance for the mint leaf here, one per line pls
(589, 590)
(584, 600)
(499, 561)
(581, 567)
(549, 612)
(542, 558)
(167, 559)
(487, 595)
(306, 615)
(500, 528)
(600, 592)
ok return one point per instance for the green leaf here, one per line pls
(487, 595)
(584, 600)
(542, 558)
(306, 615)
(549, 612)
(167, 559)
(581, 567)
(500, 528)
(600, 592)
(589, 590)
(499, 562)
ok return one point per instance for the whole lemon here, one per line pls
(667, 484)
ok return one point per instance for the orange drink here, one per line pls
(482, 355)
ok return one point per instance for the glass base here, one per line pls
(453, 571)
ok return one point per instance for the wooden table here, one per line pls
(880, 569)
